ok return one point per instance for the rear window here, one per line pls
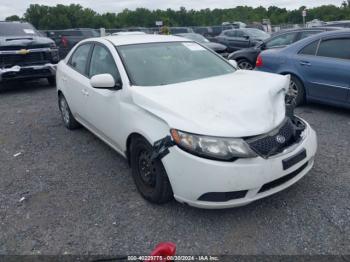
(17, 29)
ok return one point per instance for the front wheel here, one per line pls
(149, 175)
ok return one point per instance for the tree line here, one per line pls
(75, 16)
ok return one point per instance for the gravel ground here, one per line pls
(64, 192)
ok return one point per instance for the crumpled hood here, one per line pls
(244, 103)
(24, 41)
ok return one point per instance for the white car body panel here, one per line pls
(240, 104)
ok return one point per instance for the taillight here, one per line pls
(64, 41)
(259, 61)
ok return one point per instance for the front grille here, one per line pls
(19, 47)
(275, 142)
(35, 58)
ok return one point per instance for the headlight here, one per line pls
(53, 45)
(219, 148)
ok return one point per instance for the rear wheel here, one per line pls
(245, 64)
(67, 116)
(149, 175)
(296, 92)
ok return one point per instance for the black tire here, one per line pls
(245, 64)
(52, 80)
(150, 176)
(67, 116)
(296, 92)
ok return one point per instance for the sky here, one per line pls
(18, 7)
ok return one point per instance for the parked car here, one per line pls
(25, 53)
(210, 32)
(218, 48)
(246, 58)
(344, 24)
(319, 67)
(66, 39)
(130, 33)
(180, 30)
(236, 39)
(189, 123)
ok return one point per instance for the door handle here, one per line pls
(305, 63)
(64, 79)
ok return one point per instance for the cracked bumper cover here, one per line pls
(192, 177)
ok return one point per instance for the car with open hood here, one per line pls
(190, 124)
(25, 53)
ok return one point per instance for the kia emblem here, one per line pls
(280, 139)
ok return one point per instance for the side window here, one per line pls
(102, 62)
(239, 33)
(79, 58)
(310, 49)
(335, 48)
(309, 33)
(230, 33)
(281, 40)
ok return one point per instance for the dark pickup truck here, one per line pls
(25, 53)
(68, 38)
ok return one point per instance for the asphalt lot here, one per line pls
(67, 192)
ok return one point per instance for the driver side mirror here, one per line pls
(105, 81)
(246, 37)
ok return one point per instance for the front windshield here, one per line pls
(196, 37)
(256, 33)
(155, 64)
(17, 29)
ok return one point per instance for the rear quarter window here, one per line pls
(310, 49)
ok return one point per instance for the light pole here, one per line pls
(304, 13)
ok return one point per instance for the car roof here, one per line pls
(326, 28)
(119, 40)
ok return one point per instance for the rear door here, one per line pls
(325, 67)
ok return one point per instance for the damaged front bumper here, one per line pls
(208, 183)
(32, 71)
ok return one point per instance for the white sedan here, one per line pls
(191, 125)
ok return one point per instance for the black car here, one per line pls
(236, 39)
(25, 53)
(218, 48)
(246, 58)
(68, 38)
